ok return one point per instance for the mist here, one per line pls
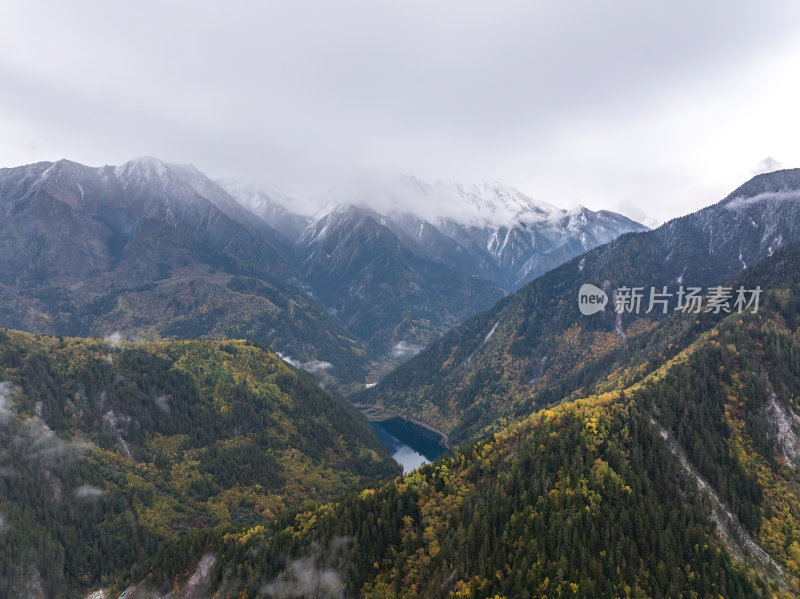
(659, 108)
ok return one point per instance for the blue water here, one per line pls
(410, 445)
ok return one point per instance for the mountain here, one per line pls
(505, 362)
(509, 238)
(681, 483)
(109, 448)
(270, 205)
(490, 230)
(396, 281)
(150, 250)
(379, 289)
(367, 277)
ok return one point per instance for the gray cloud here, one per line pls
(312, 575)
(5, 403)
(404, 349)
(42, 444)
(313, 366)
(767, 165)
(162, 402)
(778, 196)
(114, 339)
(305, 579)
(88, 492)
(667, 107)
(35, 440)
(631, 210)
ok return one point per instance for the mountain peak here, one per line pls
(184, 179)
(501, 204)
(490, 203)
(144, 165)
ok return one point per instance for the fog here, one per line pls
(649, 109)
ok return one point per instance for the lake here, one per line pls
(410, 444)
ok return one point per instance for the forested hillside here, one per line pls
(681, 484)
(109, 449)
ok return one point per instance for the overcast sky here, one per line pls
(650, 108)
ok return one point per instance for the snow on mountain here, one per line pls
(148, 189)
(489, 230)
(473, 205)
(495, 204)
(538, 241)
(275, 207)
(139, 169)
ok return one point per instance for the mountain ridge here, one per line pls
(489, 230)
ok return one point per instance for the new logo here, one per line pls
(591, 299)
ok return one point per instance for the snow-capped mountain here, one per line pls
(477, 205)
(373, 281)
(509, 237)
(461, 377)
(512, 255)
(148, 247)
(488, 230)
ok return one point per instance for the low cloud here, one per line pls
(780, 196)
(306, 580)
(768, 165)
(162, 402)
(115, 339)
(43, 441)
(403, 349)
(316, 366)
(88, 492)
(44, 445)
(34, 441)
(312, 575)
(313, 366)
(5, 402)
(633, 211)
